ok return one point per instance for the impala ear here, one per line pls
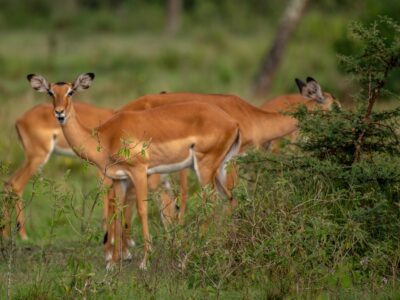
(38, 82)
(83, 82)
(300, 84)
(309, 79)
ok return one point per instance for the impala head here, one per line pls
(312, 90)
(61, 92)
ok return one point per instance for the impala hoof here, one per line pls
(143, 265)
(131, 243)
(110, 265)
(127, 255)
(108, 256)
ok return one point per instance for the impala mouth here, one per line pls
(61, 119)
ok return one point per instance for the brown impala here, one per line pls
(132, 145)
(257, 127)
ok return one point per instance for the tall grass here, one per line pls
(294, 234)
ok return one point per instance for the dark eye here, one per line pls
(70, 93)
(50, 92)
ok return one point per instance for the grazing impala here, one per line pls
(290, 103)
(132, 145)
(257, 127)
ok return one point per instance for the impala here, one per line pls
(41, 136)
(291, 102)
(132, 145)
(257, 127)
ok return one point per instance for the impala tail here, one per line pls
(19, 133)
(233, 151)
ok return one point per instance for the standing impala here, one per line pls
(258, 127)
(132, 145)
(41, 136)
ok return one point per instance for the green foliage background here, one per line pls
(309, 222)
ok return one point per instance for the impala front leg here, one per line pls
(109, 223)
(183, 176)
(120, 195)
(139, 178)
(128, 241)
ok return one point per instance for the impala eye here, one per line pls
(50, 92)
(70, 93)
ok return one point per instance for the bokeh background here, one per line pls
(137, 47)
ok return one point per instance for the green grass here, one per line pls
(64, 257)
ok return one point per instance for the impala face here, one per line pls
(61, 92)
(312, 91)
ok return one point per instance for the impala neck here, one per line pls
(268, 126)
(82, 139)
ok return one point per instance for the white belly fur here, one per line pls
(169, 168)
(188, 162)
(63, 151)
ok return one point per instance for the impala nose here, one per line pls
(60, 115)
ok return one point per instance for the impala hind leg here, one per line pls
(109, 214)
(206, 171)
(138, 175)
(183, 180)
(109, 239)
(107, 184)
(130, 199)
(168, 210)
(226, 182)
(14, 187)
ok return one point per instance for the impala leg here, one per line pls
(120, 187)
(108, 213)
(16, 184)
(209, 171)
(293, 138)
(168, 204)
(206, 173)
(109, 220)
(139, 178)
(109, 235)
(274, 146)
(106, 183)
(128, 216)
(230, 183)
(183, 178)
(5, 225)
(168, 209)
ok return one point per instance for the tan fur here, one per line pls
(41, 135)
(160, 136)
(290, 103)
(258, 127)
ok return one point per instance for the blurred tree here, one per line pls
(291, 17)
(174, 9)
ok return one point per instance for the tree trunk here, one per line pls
(174, 9)
(289, 21)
